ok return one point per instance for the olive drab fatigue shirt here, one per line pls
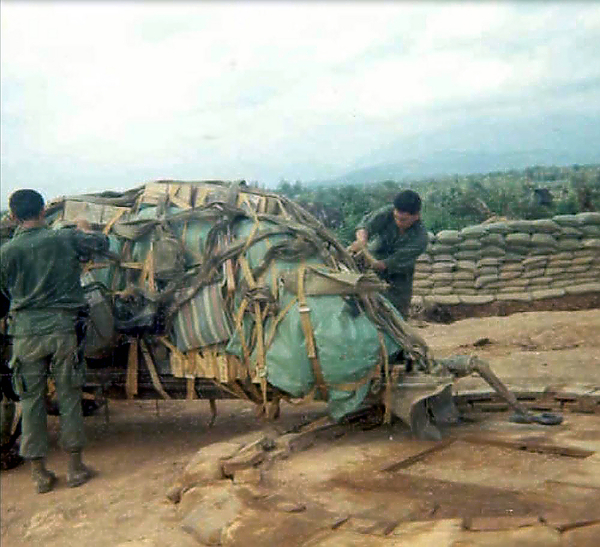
(398, 250)
(40, 272)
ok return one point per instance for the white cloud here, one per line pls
(214, 87)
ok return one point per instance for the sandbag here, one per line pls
(476, 299)
(443, 267)
(442, 277)
(487, 270)
(474, 232)
(465, 290)
(492, 251)
(569, 244)
(493, 239)
(463, 284)
(489, 261)
(419, 274)
(469, 244)
(545, 225)
(498, 227)
(583, 288)
(591, 230)
(446, 300)
(464, 275)
(592, 218)
(543, 240)
(566, 220)
(514, 297)
(442, 289)
(525, 226)
(547, 293)
(441, 249)
(521, 239)
(449, 237)
(469, 255)
(486, 281)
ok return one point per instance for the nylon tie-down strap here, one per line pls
(311, 349)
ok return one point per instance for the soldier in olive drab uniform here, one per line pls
(395, 236)
(40, 271)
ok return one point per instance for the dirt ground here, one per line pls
(145, 445)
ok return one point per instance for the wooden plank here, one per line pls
(529, 445)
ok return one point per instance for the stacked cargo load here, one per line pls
(242, 287)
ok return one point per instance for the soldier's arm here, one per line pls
(360, 241)
(369, 225)
(89, 242)
(362, 236)
(403, 259)
(373, 222)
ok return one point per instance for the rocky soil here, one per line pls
(141, 451)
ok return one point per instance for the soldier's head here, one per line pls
(26, 205)
(407, 209)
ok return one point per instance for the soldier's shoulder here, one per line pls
(389, 208)
(420, 230)
(384, 210)
(420, 226)
(7, 244)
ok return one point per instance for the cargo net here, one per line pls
(241, 287)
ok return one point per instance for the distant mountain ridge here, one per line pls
(456, 162)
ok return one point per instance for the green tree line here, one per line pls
(457, 201)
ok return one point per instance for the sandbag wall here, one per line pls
(517, 260)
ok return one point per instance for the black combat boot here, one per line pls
(43, 478)
(78, 473)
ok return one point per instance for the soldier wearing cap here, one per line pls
(40, 271)
(395, 236)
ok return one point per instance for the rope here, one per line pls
(190, 389)
(113, 221)
(152, 370)
(388, 380)
(261, 366)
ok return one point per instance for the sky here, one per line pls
(108, 95)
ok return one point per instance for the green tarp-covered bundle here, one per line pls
(240, 286)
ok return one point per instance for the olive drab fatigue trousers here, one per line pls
(34, 359)
(400, 292)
